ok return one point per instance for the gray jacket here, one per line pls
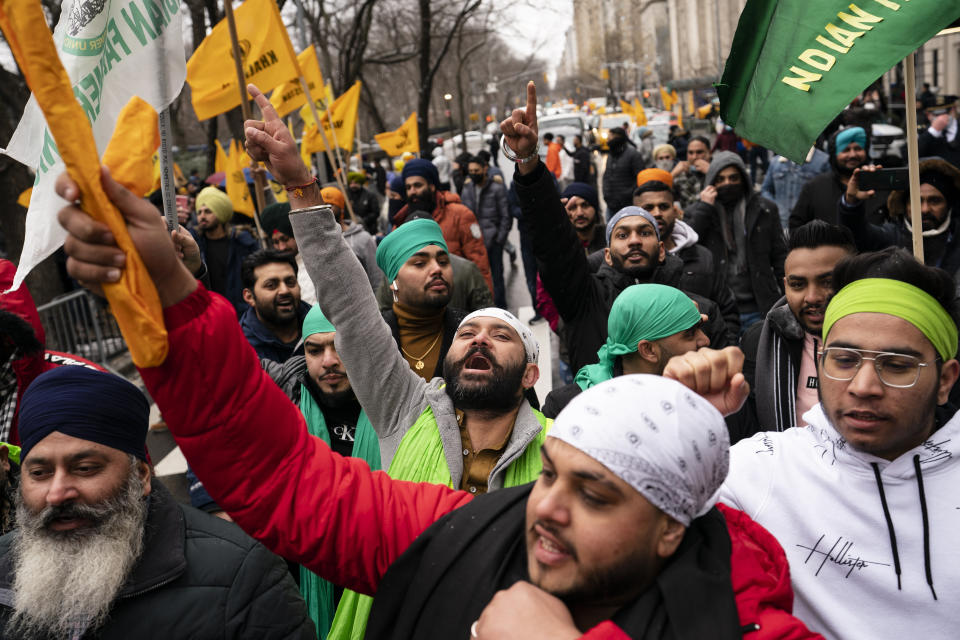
(390, 393)
(365, 248)
(489, 204)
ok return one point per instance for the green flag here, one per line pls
(795, 64)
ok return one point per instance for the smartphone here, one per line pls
(895, 179)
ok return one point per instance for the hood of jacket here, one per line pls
(722, 160)
(258, 334)
(683, 236)
(782, 320)
(20, 303)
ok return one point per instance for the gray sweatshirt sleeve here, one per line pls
(391, 394)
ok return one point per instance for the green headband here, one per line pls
(406, 240)
(640, 312)
(896, 298)
(316, 322)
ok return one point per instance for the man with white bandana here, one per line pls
(864, 500)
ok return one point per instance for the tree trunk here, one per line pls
(426, 78)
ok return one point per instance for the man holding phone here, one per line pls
(940, 138)
(939, 200)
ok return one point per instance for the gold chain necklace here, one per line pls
(419, 364)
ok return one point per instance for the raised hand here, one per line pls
(854, 194)
(520, 132)
(269, 141)
(715, 375)
(93, 254)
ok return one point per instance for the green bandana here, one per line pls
(316, 322)
(640, 312)
(405, 241)
(896, 298)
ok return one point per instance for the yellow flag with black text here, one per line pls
(267, 56)
(236, 181)
(289, 96)
(406, 138)
(343, 114)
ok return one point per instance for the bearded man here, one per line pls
(102, 548)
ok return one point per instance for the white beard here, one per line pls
(65, 581)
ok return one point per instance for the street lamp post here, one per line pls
(447, 98)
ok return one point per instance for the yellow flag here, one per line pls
(133, 299)
(626, 107)
(135, 139)
(289, 96)
(667, 99)
(237, 182)
(406, 138)
(221, 159)
(24, 198)
(279, 192)
(267, 56)
(639, 115)
(343, 113)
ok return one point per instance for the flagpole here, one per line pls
(258, 183)
(913, 159)
(166, 171)
(341, 179)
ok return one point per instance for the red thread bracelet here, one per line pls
(299, 188)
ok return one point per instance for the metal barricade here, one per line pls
(81, 324)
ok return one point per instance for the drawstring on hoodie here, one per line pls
(926, 527)
(886, 514)
(893, 536)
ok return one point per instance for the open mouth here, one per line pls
(548, 550)
(863, 420)
(477, 362)
(68, 523)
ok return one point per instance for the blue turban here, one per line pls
(851, 134)
(626, 212)
(396, 185)
(423, 168)
(87, 404)
(583, 190)
(406, 240)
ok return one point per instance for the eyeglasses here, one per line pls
(897, 370)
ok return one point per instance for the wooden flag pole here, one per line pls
(258, 182)
(913, 159)
(340, 176)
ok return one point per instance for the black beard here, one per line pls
(501, 395)
(642, 273)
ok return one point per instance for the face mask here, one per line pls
(666, 165)
(617, 144)
(728, 194)
(476, 177)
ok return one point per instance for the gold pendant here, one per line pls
(419, 365)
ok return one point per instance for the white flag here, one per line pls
(112, 50)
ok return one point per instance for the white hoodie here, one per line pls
(821, 499)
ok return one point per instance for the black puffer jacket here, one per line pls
(765, 244)
(620, 179)
(199, 577)
(583, 298)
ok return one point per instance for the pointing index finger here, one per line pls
(531, 103)
(266, 109)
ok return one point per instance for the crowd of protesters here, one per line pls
(755, 438)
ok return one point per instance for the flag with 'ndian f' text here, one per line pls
(111, 51)
(289, 96)
(795, 64)
(267, 58)
(405, 138)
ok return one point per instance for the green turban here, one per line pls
(405, 241)
(640, 312)
(316, 322)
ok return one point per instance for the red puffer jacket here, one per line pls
(249, 445)
(31, 365)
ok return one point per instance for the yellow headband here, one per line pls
(896, 298)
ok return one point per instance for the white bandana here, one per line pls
(530, 344)
(659, 437)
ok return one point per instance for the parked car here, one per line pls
(566, 125)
